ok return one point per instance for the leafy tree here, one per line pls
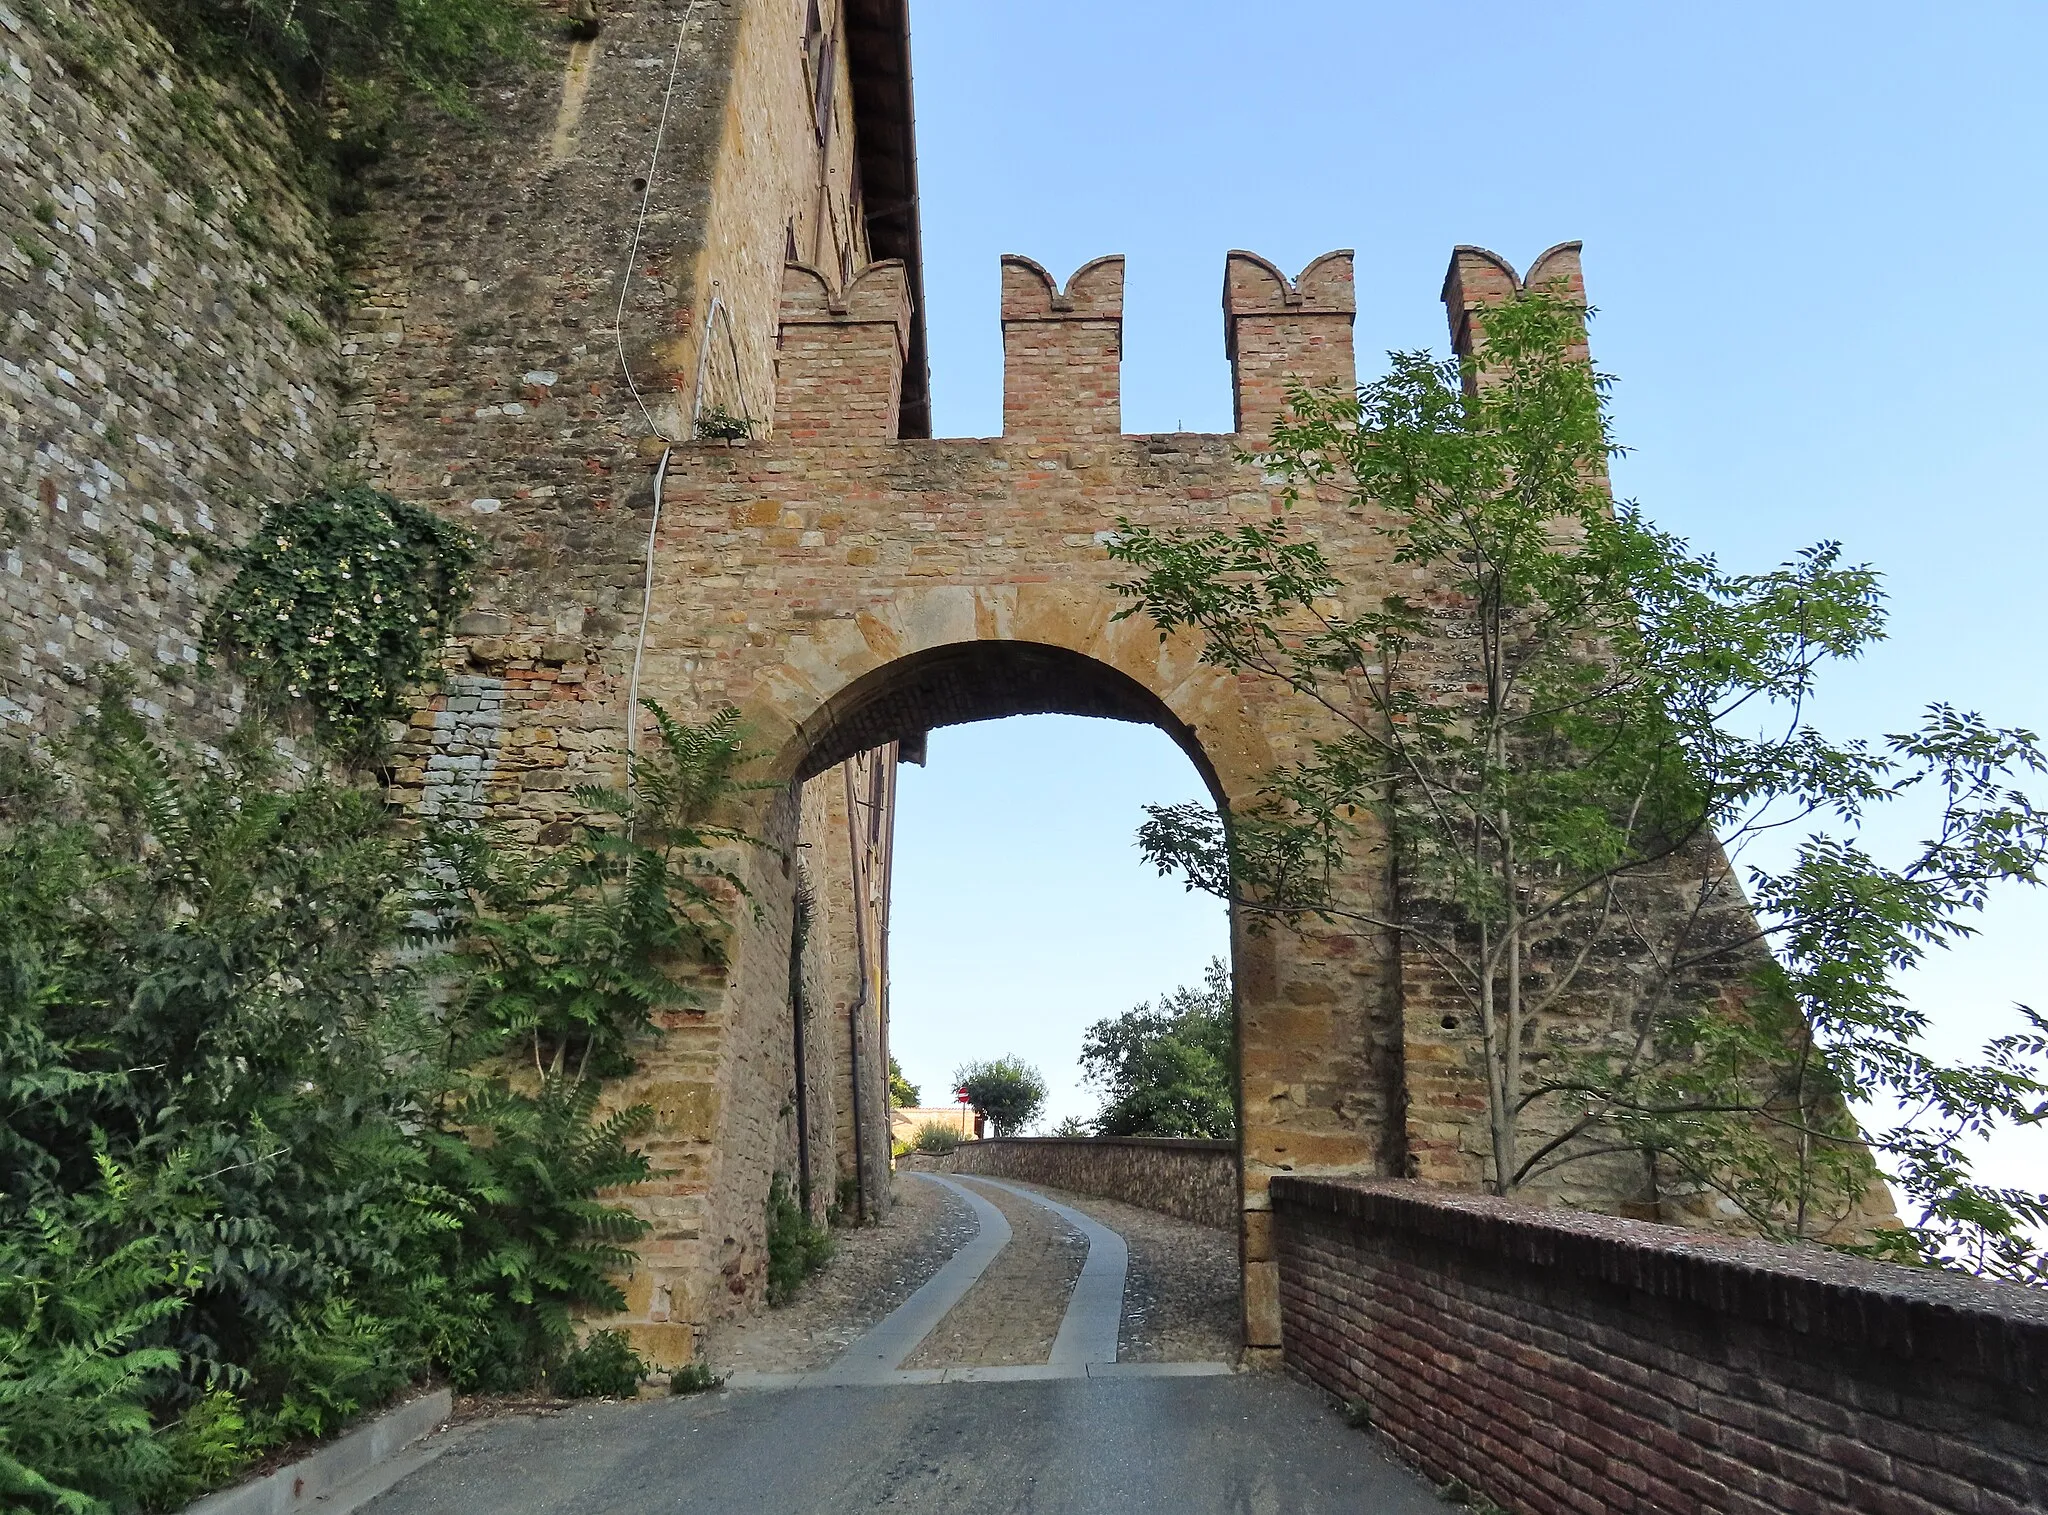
(1170, 1071)
(1576, 730)
(1009, 1091)
(902, 1092)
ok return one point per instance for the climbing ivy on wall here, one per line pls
(339, 600)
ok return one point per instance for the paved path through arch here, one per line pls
(878, 1356)
(1102, 1437)
(1088, 1331)
(1086, 1343)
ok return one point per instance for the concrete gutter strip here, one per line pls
(875, 1356)
(349, 1473)
(1095, 1311)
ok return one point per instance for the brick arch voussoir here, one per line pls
(952, 654)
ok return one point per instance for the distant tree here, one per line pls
(902, 1092)
(1008, 1090)
(1169, 1071)
(1073, 1127)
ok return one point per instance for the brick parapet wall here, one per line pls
(1195, 1180)
(1559, 1361)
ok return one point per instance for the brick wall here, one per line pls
(1558, 1361)
(1195, 1180)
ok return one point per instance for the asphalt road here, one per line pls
(1253, 1443)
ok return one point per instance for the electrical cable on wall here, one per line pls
(675, 64)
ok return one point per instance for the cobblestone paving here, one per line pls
(1012, 1314)
(873, 1271)
(1181, 1299)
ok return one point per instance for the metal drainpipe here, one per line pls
(797, 932)
(858, 1010)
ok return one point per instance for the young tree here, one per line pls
(1575, 730)
(1008, 1090)
(1170, 1071)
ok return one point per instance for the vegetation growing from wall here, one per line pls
(344, 70)
(1576, 737)
(340, 599)
(1169, 1070)
(797, 1245)
(271, 1144)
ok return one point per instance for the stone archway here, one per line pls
(837, 676)
(847, 590)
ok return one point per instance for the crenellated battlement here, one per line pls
(839, 354)
(1278, 331)
(1063, 350)
(1478, 278)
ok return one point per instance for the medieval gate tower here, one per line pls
(654, 328)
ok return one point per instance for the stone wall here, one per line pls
(165, 364)
(1195, 1180)
(1563, 1362)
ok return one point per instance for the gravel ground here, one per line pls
(1181, 1296)
(873, 1271)
(1181, 1301)
(1013, 1312)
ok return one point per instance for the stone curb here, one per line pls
(321, 1481)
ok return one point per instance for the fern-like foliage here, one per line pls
(268, 1149)
(79, 1310)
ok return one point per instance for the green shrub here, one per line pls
(604, 1367)
(81, 1353)
(332, 1361)
(797, 1247)
(935, 1138)
(535, 1244)
(694, 1378)
(213, 1048)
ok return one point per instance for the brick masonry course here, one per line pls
(1565, 1362)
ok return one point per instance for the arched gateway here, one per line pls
(849, 590)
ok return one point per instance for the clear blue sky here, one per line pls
(1812, 233)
